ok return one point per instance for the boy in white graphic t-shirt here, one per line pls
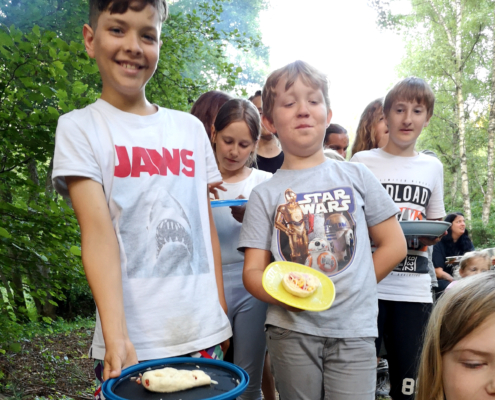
(137, 175)
(415, 182)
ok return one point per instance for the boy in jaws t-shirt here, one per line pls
(137, 175)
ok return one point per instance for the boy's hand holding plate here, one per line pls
(320, 300)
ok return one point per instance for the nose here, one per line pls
(132, 44)
(407, 117)
(490, 387)
(234, 151)
(303, 110)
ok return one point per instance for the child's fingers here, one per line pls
(112, 367)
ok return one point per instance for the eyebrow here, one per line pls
(115, 20)
(477, 352)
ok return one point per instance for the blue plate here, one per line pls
(232, 381)
(228, 203)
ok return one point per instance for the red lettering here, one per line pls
(139, 154)
(167, 161)
(152, 162)
(188, 163)
(122, 170)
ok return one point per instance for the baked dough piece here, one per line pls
(300, 284)
(168, 380)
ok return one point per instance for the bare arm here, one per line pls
(101, 261)
(390, 245)
(255, 263)
(217, 259)
(441, 274)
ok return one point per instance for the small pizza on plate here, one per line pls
(300, 284)
(169, 380)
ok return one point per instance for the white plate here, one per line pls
(424, 228)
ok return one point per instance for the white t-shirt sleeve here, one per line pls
(74, 155)
(436, 207)
(212, 172)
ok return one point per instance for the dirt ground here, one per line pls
(54, 366)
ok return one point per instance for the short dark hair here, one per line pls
(207, 106)
(410, 89)
(334, 128)
(256, 94)
(96, 7)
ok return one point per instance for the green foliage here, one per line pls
(430, 55)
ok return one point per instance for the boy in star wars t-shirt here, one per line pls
(318, 212)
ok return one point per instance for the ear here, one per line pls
(268, 125)
(160, 45)
(89, 37)
(427, 122)
(329, 117)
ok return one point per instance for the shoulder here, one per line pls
(259, 175)
(79, 115)
(182, 117)
(365, 155)
(430, 161)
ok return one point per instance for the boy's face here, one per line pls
(405, 122)
(126, 48)
(300, 117)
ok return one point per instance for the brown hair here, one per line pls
(460, 310)
(410, 89)
(366, 132)
(298, 69)
(96, 7)
(207, 106)
(236, 110)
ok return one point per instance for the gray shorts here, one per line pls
(313, 367)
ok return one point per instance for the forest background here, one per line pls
(216, 44)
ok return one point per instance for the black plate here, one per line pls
(227, 380)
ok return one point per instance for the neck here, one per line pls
(235, 176)
(268, 146)
(407, 151)
(137, 104)
(292, 161)
(455, 237)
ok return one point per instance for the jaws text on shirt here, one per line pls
(153, 162)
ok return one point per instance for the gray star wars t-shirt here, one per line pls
(319, 217)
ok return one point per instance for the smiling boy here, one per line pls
(137, 176)
(314, 202)
(415, 182)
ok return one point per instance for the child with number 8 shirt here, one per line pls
(415, 182)
(137, 175)
(315, 203)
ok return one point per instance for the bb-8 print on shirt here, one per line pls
(317, 229)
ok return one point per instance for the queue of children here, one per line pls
(165, 285)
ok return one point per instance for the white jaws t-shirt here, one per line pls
(154, 171)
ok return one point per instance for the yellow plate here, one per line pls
(320, 300)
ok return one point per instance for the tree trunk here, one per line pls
(460, 115)
(487, 202)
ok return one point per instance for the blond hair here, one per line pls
(366, 131)
(410, 89)
(464, 263)
(460, 310)
(298, 69)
